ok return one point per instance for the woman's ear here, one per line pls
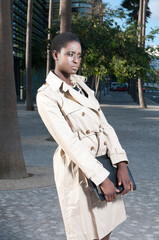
(55, 55)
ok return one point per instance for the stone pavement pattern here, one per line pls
(29, 208)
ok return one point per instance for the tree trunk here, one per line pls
(80, 67)
(29, 94)
(144, 22)
(139, 28)
(93, 83)
(48, 63)
(11, 157)
(101, 11)
(129, 86)
(96, 85)
(141, 43)
(141, 94)
(100, 93)
(134, 89)
(65, 15)
(11, 9)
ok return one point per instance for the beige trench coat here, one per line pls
(82, 133)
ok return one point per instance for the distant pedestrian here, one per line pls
(75, 120)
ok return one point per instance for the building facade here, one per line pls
(155, 63)
(39, 33)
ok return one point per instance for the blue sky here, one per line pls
(152, 22)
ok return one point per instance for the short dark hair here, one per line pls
(62, 39)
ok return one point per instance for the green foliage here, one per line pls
(96, 41)
(107, 49)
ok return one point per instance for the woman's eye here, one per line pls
(70, 54)
(73, 55)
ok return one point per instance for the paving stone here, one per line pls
(34, 213)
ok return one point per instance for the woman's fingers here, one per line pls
(109, 190)
(127, 187)
(111, 197)
(131, 186)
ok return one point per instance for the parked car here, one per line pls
(114, 86)
(122, 88)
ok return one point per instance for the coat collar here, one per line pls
(56, 83)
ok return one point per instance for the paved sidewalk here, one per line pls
(29, 208)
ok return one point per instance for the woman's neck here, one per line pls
(63, 76)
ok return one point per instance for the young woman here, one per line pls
(74, 118)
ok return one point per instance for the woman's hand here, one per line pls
(123, 178)
(109, 190)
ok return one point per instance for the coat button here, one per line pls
(99, 109)
(83, 113)
(105, 143)
(92, 148)
(100, 126)
(88, 131)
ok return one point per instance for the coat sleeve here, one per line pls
(58, 127)
(115, 151)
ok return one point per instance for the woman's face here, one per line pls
(67, 61)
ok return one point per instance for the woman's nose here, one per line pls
(76, 59)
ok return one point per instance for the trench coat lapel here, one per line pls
(89, 101)
(56, 83)
(82, 99)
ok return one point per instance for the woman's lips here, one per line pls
(75, 68)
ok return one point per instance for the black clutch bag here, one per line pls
(106, 162)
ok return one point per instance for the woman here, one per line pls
(74, 118)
